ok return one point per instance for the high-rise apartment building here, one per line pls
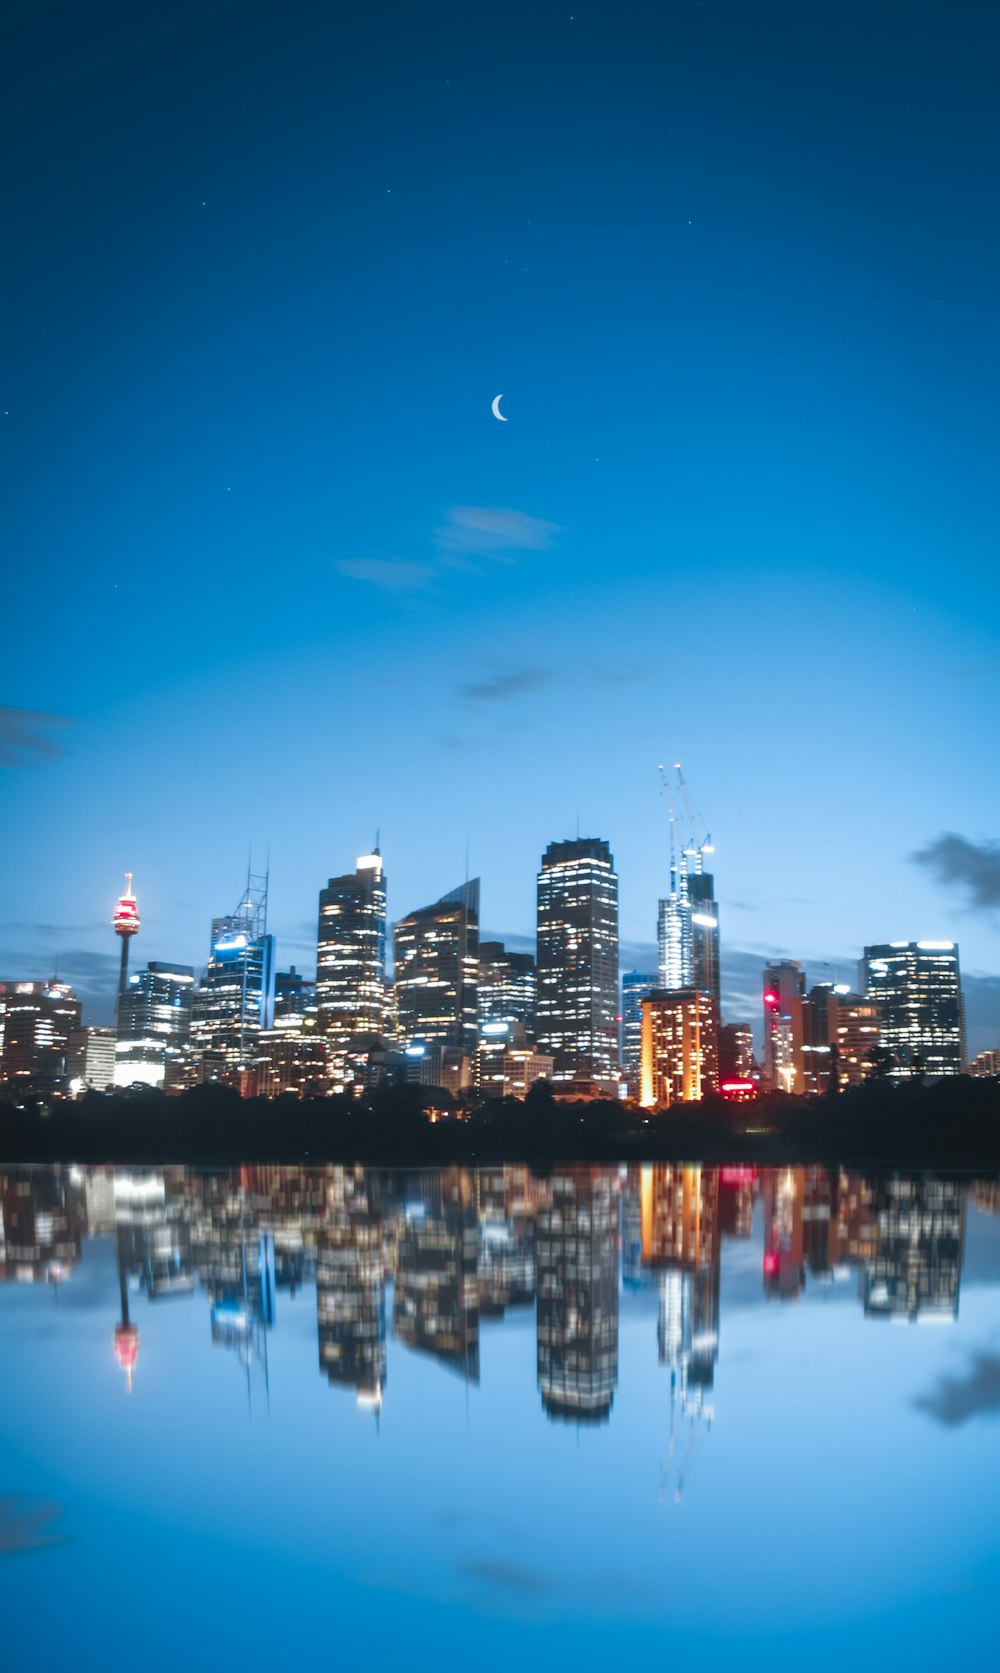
(436, 957)
(577, 1005)
(784, 994)
(154, 1023)
(917, 989)
(235, 998)
(680, 1048)
(350, 954)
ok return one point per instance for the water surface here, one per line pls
(275, 1414)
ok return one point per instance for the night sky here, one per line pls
(275, 575)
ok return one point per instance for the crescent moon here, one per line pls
(496, 408)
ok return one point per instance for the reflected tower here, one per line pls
(576, 1273)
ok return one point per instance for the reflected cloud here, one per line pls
(957, 1400)
(24, 736)
(507, 1577)
(24, 1524)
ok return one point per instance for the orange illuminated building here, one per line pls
(680, 1052)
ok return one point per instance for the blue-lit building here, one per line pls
(235, 998)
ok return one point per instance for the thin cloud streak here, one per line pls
(502, 688)
(24, 739)
(492, 532)
(389, 575)
(469, 536)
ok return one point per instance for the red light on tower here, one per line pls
(770, 998)
(127, 1350)
(125, 924)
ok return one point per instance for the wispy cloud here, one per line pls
(389, 575)
(973, 866)
(470, 536)
(492, 532)
(503, 687)
(956, 1400)
(24, 736)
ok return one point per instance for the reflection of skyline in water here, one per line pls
(439, 1252)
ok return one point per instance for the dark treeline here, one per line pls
(954, 1123)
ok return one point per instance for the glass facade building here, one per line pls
(235, 998)
(576, 1018)
(917, 989)
(154, 1023)
(436, 956)
(350, 953)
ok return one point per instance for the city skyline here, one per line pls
(740, 994)
(279, 577)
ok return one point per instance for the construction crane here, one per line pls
(696, 846)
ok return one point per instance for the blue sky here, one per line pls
(284, 579)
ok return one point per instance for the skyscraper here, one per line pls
(350, 954)
(577, 1003)
(917, 988)
(436, 956)
(154, 1023)
(235, 998)
(705, 973)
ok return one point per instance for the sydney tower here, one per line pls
(126, 924)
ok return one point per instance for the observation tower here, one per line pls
(126, 924)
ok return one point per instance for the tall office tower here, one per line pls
(154, 1023)
(235, 998)
(36, 1021)
(125, 924)
(350, 954)
(680, 1047)
(90, 1059)
(784, 992)
(577, 1005)
(436, 952)
(636, 986)
(506, 986)
(705, 973)
(576, 1276)
(673, 929)
(688, 923)
(917, 988)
